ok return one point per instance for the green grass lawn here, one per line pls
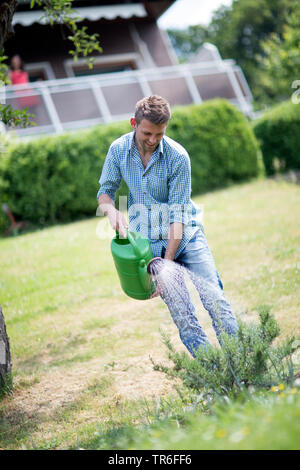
(80, 347)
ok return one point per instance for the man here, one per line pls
(157, 172)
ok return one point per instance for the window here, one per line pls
(108, 64)
(39, 71)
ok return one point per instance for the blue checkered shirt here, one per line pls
(159, 194)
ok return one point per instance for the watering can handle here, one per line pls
(132, 242)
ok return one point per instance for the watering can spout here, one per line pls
(155, 265)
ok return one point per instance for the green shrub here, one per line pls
(268, 420)
(4, 219)
(278, 132)
(220, 142)
(248, 360)
(55, 179)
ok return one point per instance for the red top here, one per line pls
(18, 76)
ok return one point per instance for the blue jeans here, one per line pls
(201, 268)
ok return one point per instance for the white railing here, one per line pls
(77, 102)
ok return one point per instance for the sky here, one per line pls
(189, 12)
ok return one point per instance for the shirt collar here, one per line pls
(159, 149)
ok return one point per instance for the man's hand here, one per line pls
(117, 221)
(157, 292)
(115, 217)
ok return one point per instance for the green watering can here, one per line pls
(131, 256)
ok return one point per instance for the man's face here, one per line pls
(148, 135)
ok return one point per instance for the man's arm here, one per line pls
(179, 195)
(175, 237)
(115, 217)
(110, 182)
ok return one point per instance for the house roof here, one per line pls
(95, 10)
(92, 13)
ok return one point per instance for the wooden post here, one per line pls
(5, 361)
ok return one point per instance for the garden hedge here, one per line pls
(278, 132)
(55, 179)
(220, 142)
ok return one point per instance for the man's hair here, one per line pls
(153, 108)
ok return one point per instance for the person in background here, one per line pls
(19, 76)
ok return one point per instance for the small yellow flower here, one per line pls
(246, 431)
(274, 389)
(281, 387)
(281, 395)
(220, 433)
(293, 391)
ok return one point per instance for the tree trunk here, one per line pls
(5, 363)
(7, 10)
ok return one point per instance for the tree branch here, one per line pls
(7, 11)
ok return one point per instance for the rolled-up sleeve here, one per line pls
(180, 190)
(110, 179)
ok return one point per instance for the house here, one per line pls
(137, 60)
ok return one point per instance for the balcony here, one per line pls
(79, 102)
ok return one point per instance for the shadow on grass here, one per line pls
(16, 424)
(59, 356)
(19, 428)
